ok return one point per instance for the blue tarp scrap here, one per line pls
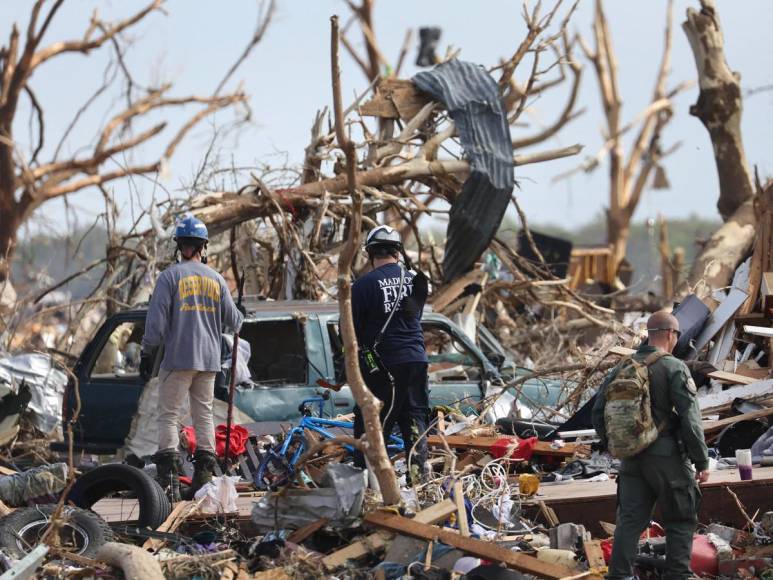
(472, 98)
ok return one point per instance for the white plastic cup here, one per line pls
(743, 458)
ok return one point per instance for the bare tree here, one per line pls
(26, 180)
(719, 108)
(628, 176)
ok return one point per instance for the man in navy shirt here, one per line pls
(400, 377)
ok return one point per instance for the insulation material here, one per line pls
(47, 385)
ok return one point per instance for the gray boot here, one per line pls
(168, 473)
(203, 470)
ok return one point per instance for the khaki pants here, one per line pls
(173, 387)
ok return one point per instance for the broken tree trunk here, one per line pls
(369, 405)
(727, 247)
(719, 108)
(221, 211)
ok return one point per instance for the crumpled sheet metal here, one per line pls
(472, 98)
(47, 384)
(340, 501)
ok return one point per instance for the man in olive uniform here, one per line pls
(663, 472)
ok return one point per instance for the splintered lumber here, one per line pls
(711, 427)
(377, 541)
(593, 553)
(395, 99)
(181, 511)
(306, 531)
(485, 443)
(548, 513)
(461, 511)
(621, 351)
(732, 378)
(708, 403)
(758, 330)
(486, 550)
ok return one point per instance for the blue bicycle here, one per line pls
(277, 467)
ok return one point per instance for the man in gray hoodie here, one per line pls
(189, 309)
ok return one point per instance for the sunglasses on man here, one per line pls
(678, 332)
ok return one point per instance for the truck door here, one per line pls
(109, 384)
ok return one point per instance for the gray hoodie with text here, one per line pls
(189, 309)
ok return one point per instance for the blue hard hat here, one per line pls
(191, 227)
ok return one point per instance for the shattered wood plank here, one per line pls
(487, 550)
(376, 542)
(760, 388)
(4, 509)
(594, 554)
(711, 427)
(622, 351)
(395, 99)
(307, 531)
(732, 378)
(608, 528)
(451, 292)
(548, 513)
(179, 513)
(484, 444)
(461, 511)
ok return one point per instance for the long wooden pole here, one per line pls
(369, 405)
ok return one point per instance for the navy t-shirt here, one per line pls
(373, 296)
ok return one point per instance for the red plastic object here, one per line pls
(704, 557)
(606, 549)
(514, 448)
(239, 436)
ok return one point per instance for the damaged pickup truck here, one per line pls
(295, 347)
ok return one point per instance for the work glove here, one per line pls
(146, 365)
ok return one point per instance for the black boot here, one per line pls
(203, 470)
(168, 473)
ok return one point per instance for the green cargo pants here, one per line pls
(643, 481)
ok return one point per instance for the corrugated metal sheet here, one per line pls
(472, 99)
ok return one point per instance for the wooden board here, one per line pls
(179, 513)
(756, 389)
(376, 542)
(306, 531)
(594, 554)
(487, 550)
(732, 378)
(484, 444)
(461, 511)
(622, 351)
(758, 330)
(710, 427)
(395, 99)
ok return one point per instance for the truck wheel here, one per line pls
(82, 533)
(112, 479)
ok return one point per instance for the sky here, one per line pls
(287, 78)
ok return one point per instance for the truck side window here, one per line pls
(449, 358)
(278, 352)
(120, 355)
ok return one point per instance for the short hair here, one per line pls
(661, 321)
(383, 250)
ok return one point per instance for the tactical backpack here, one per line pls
(628, 410)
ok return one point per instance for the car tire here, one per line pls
(105, 480)
(20, 531)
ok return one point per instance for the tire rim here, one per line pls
(73, 538)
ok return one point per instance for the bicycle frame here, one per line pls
(318, 425)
